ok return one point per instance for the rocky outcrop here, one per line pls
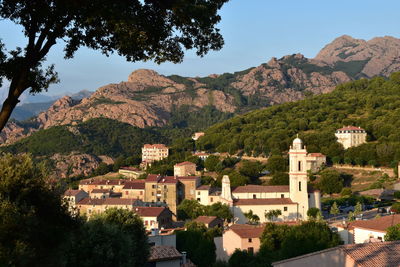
(12, 132)
(74, 164)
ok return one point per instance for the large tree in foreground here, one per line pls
(156, 30)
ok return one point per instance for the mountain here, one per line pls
(149, 99)
(373, 104)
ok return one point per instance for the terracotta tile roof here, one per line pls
(263, 201)
(206, 219)
(72, 192)
(350, 128)
(261, 189)
(158, 146)
(185, 163)
(204, 187)
(161, 179)
(135, 184)
(188, 177)
(248, 231)
(91, 201)
(374, 254)
(378, 224)
(149, 211)
(381, 254)
(119, 201)
(315, 155)
(97, 191)
(102, 182)
(163, 253)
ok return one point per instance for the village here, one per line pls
(155, 199)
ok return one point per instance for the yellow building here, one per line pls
(162, 189)
(184, 169)
(351, 136)
(154, 152)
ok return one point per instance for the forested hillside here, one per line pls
(371, 104)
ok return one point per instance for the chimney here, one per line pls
(183, 257)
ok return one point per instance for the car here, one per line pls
(346, 209)
(382, 210)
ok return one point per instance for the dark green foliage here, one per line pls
(34, 226)
(211, 163)
(395, 207)
(372, 104)
(396, 194)
(313, 212)
(191, 209)
(330, 182)
(279, 178)
(242, 258)
(251, 169)
(393, 233)
(277, 163)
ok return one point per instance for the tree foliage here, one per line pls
(393, 233)
(191, 209)
(330, 182)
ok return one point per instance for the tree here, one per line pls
(351, 216)
(277, 163)
(251, 169)
(393, 233)
(396, 194)
(334, 209)
(189, 209)
(211, 162)
(272, 214)
(313, 212)
(331, 182)
(357, 209)
(34, 225)
(137, 30)
(220, 210)
(119, 239)
(395, 207)
(251, 217)
(279, 178)
(346, 191)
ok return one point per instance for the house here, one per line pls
(154, 217)
(131, 172)
(188, 185)
(134, 189)
(314, 161)
(210, 221)
(207, 195)
(72, 197)
(162, 256)
(383, 254)
(201, 155)
(197, 135)
(243, 237)
(114, 185)
(90, 206)
(367, 231)
(100, 193)
(351, 136)
(154, 152)
(162, 189)
(184, 168)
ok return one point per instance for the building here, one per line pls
(374, 230)
(114, 185)
(100, 193)
(131, 172)
(162, 189)
(187, 186)
(201, 155)
(351, 136)
(384, 254)
(197, 135)
(72, 197)
(184, 168)
(154, 152)
(154, 217)
(207, 195)
(314, 161)
(243, 237)
(166, 256)
(134, 189)
(210, 221)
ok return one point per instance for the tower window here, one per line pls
(299, 186)
(254, 196)
(282, 195)
(284, 208)
(299, 165)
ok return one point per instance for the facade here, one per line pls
(184, 169)
(154, 217)
(382, 254)
(207, 195)
(162, 189)
(367, 231)
(134, 189)
(130, 172)
(154, 152)
(351, 136)
(72, 197)
(100, 193)
(114, 185)
(201, 155)
(188, 185)
(243, 237)
(315, 161)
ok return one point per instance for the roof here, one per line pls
(204, 187)
(248, 231)
(97, 190)
(316, 155)
(103, 182)
(158, 146)
(378, 224)
(263, 201)
(206, 219)
(261, 189)
(185, 163)
(91, 201)
(71, 192)
(149, 211)
(119, 201)
(161, 179)
(364, 255)
(350, 128)
(163, 253)
(136, 184)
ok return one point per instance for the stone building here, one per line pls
(187, 186)
(351, 136)
(130, 172)
(184, 168)
(162, 189)
(154, 152)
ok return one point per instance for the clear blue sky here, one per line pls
(254, 31)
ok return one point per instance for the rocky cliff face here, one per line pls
(148, 98)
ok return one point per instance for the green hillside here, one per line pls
(371, 104)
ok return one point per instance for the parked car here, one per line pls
(383, 210)
(346, 209)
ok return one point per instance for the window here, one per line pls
(146, 222)
(254, 196)
(308, 195)
(282, 195)
(153, 186)
(250, 240)
(299, 165)
(250, 250)
(152, 193)
(126, 192)
(198, 199)
(141, 193)
(299, 186)
(198, 193)
(211, 199)
(284, 208)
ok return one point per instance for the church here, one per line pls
(292, 200)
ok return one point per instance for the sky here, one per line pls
(253, 30)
